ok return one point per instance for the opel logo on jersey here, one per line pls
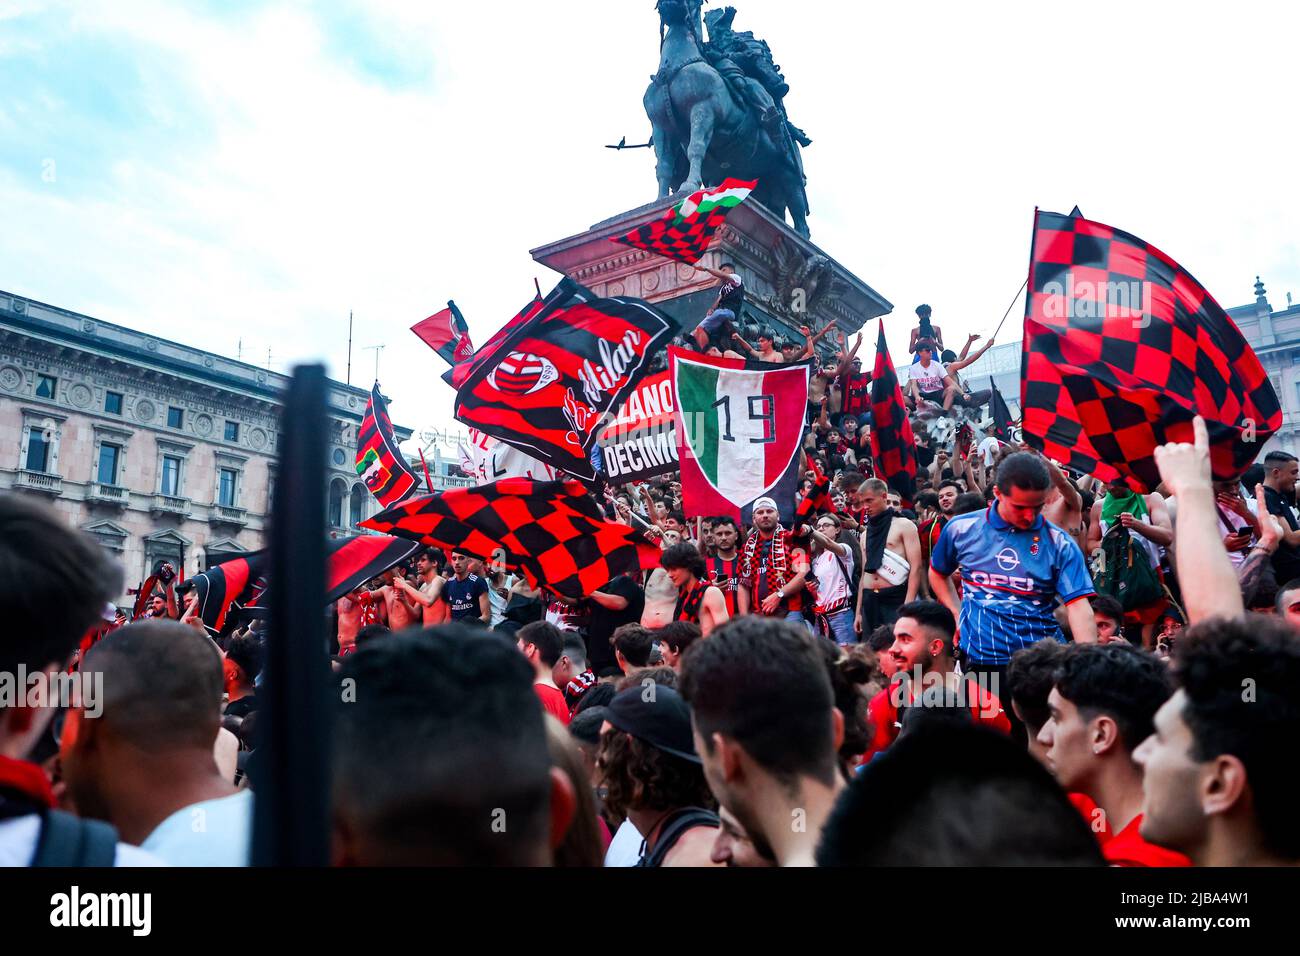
(1008, 560)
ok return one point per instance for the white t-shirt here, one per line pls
(209, 833)
(832, 586)
(927, 378)
(988, 450)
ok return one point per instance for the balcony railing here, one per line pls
(223, 514)
(40, 481)
(109, 494)
(450, 481)
(170, 505)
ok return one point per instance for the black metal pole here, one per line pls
(291, 816)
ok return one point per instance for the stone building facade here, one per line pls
(1274, 334)
(162, 451)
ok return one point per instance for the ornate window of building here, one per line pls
(358, 504)
(338, 491)
(175, 417)
(46, 386)
(232, 431)
(172, 460)
(229, 479)
(113, 403)
(42, 432)
(163, 546)
(109, 461)
(111, 536)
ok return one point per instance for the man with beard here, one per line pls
(772, 569)
(767, 730)
(722, 567)
(698, 601)
(1102, 705)
(1216, 781)
(891, 560)
(926, 676)
(428, 596)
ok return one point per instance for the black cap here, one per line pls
(656, 715)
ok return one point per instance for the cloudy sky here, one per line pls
(237, 170)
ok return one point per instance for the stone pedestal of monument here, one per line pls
(788, 280)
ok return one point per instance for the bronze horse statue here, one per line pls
(702, 131)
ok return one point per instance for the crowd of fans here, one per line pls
(1010, 665)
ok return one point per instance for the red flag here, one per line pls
(1122, 349)
(379, 461)
(893, 446)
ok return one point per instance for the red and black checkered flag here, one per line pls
(685, 230)
(546, 383)
(553, 531)
(893, 446)
(1122, 349)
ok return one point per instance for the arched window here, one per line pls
(358, 504)
(337, 492)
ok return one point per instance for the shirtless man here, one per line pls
(401, 613)
(766, 351)
(878, 600)
(349, 611)
(660, 592)
(433, 609)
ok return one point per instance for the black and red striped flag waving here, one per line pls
(545, 383)
(1122, 349)
(893, 446)
(380, 462)
(231, 585)
(551, 530)
(447, 333)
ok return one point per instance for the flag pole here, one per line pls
(427, 483)
(349, 346)
(1010, 307)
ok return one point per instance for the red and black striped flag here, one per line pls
(379, 461)
(231, 585)
(685, 230)
(893, 446)
(553, 531)
(1122, 349)
(545, 383)
(355, 561)
(447, 333)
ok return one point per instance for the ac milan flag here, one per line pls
(546, 385)
(684, 231)
(447, 333)
(355, 561)
(893, 446)
(379, 461)
(1122, 349)
(553, 531)
(231, 585)
(740, 427)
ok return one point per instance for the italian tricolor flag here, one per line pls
(727, 196)
(740, 427)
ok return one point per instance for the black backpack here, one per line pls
(66, 840)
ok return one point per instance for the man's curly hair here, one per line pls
(640, 776)
(1241, 678)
